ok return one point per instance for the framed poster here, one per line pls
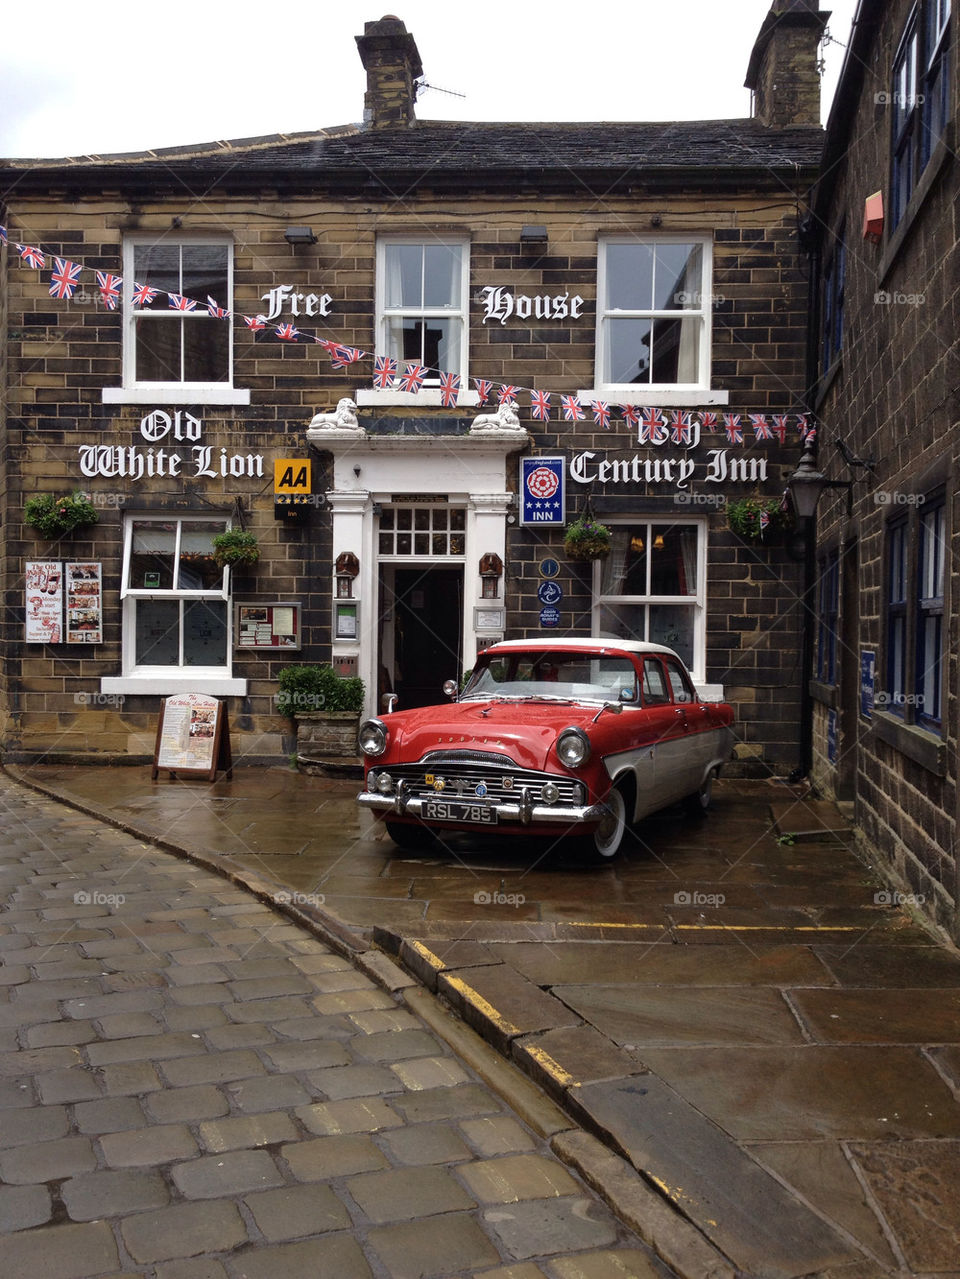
(44, 602)
(193, 738)
(84, 603)
(268, 625)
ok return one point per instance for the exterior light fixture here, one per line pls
(807, 482)
(299, 235)
(533, 235)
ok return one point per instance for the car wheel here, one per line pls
(608, 836)
(698, 803)
(405, 836)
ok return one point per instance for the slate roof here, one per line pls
(451, 154)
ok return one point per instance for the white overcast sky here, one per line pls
(115, 75)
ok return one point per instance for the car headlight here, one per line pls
(573, 747)
(372, 737)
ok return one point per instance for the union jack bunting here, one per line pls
(483, 388)
(652, 426)
(287, 332)
(143, 295)
(179, 303)
(255, 322)
(572, 410)
(761, 427)
(32, 256)
(449, 389)
(540, 405)
(631, 414)
(681, 426)
(216, 310)
(764, 519)
(3, 235)
(731, 424)
(807, 432)
(507, 394)
(384, 372)
(65, 278)
(779, 426)
(412, 377)
(601, 414)
(343, 356)
(109, 286)
(708, 421)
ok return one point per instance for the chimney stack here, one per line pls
(390, 58)
(784, 74)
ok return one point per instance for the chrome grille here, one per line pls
(458, 757)
(462, 777)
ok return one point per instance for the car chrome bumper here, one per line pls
(523, 813)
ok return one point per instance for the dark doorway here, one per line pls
(849, 672)
(428, 615)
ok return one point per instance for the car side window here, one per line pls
(683, 690)
(655, 692)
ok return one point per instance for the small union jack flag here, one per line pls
(708, 421)
(731, 424)
(483, 388)
(344, 356)
(287, 332)
(143, 295)
(179, 303)
(761, 427)
(216, 310)
(764, 519)
(681, 427)
(653, 426)
(507, 394)
(449, 389)
(412, 377)
(32, 256)
(3, 235)
(384, 372)
(601, 414)
(65, 278)
(779, 421)
(109, 286)
(802, 424)
(255, 322)
(540, 405)
(572, 410)
(631, 414)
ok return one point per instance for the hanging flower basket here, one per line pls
(57, 516)
(235, 547)
(585, 539)
(757, 519)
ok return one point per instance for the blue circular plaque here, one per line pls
(549, 568)
(549, 592)
(549, 616)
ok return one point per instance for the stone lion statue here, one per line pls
(343, 418)
(505, 419)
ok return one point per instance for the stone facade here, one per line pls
(890, 396)
(465, 181)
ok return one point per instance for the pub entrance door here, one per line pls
(421, 623)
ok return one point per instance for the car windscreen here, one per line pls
(592, 676)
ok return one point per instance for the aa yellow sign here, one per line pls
(291, 475)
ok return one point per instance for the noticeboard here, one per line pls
(275, 625)
(193, 737)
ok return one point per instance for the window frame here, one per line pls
(832, 302)
(697, 601)
(920, 97)
(828, 616)
(652, 392)
(134, 391)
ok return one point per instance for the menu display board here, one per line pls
(193, 738)
(268, 625)
(44, 602)
(84, 603)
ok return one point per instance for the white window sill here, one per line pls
(682, 397)
(164, 393)
(166, 685)
(428, 398)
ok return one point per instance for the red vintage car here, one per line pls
(549, 737)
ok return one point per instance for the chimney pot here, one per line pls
(392, 62)
(784, 73)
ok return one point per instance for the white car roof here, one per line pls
(628, 646)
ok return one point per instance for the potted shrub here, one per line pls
(56, 516)
(586, 539)
(326, 709)
(235, 547)
(755, 518)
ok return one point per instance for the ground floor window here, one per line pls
(913, 668)
(828, 616)
(176, 608)
(652, 587)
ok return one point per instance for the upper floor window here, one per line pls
(653, 312)
(831, 320)
(920, 95)
(174, 347)
(422, 299)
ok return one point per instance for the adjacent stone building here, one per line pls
(418, 310)
(884, 215)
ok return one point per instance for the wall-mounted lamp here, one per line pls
(533, 235)
(807, 482)
(299, 235)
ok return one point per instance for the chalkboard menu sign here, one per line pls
(193, 737)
